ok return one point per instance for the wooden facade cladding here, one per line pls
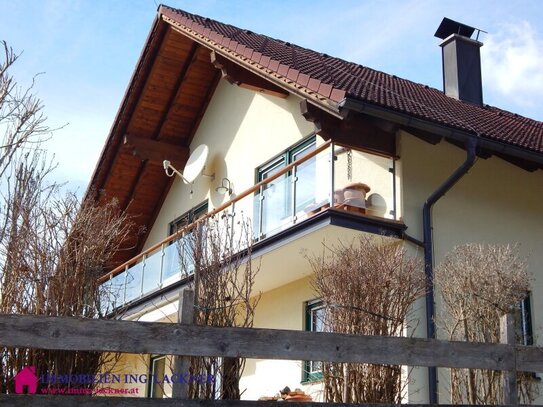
(161, 110)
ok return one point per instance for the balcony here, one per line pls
(330, 179)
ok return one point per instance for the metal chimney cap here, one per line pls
(448, 27)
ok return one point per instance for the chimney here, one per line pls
(461, 57)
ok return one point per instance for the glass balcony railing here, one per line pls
(163, 266)
(330, 176)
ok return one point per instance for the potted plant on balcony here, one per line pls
(355, 194)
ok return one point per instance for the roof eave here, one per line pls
(408, 120)
(103, 163)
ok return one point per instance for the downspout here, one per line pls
(471, 145)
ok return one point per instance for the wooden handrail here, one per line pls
(182, 231)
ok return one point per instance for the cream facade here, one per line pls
(496, 202)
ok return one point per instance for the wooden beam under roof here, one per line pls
(356, 130)
(156, 151)
(237, 75)
(176, 89)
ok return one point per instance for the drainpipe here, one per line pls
(471, 145)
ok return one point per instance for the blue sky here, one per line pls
(88, 49)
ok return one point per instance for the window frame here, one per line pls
(189, 216)
(524, 323)
(284, 157)
(151, 383)
(309, 375)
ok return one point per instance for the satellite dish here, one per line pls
(196, 163)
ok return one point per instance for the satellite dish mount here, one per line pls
(193, 168)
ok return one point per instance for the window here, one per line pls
(157, 369)
(188, 217)
(289, 194)
(524, 322)
(314, 322)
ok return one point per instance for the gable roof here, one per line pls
(332, 80)
(175, 79)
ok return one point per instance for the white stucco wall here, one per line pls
(281, 308)
(243, 129)
(495, 203)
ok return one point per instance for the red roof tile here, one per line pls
(335, 79)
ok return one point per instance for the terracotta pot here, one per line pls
(356, 193)
(298, 397)
(338, 196)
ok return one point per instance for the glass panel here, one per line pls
(276, 206)
(185, 254)
(317, 319)
(306, 184)
(112, 293)
(314, 323)
(364, 183)
(171, 266)
(151, 276)
(178, 260)
(133, 282)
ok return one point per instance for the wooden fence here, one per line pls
(185, 339)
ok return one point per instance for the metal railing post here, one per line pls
(142, 273)
(293, 192)
(232, 224)
(261, 212)
(161, 265)
(332, 174)
(125, 283)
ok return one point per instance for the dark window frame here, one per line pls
(285, 157)
(308, 374)
(188, 217)
(524, 324)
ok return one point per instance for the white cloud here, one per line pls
(513, 64)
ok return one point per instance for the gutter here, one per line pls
(439, 129)
(471, 157)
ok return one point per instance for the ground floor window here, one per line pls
(157, 368)
(314, 322)
(524, 322)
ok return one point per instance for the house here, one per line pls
(259, 105)
(26, 379)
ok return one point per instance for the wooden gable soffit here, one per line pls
(326, 125)
(156, 152)
(237, 75)
(354, 130)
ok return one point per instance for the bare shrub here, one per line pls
(52, 250)
(367, 288)
(478, 284)
(52, 247)
(22, 122)
(224, 276)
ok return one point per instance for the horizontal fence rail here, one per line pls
(82, 401)
(66, 333)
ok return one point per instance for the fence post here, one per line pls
(507, 336)
(181, 364)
